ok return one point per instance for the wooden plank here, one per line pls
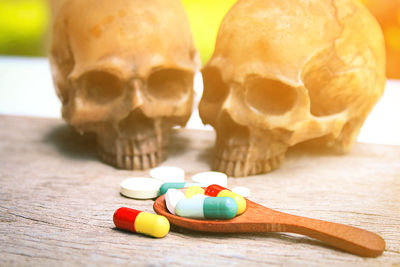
(57, 202)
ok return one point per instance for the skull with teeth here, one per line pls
(124, 70)
(286, 72)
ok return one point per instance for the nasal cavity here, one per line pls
(270, 96)
(135, 122)
(227, 127)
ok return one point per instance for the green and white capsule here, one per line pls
(207, 208)
(165, 186)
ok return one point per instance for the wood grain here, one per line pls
(57, 202)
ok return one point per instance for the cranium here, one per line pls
(124, 69)
(290, 71)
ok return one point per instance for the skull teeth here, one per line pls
(240, 165)
(134, 154)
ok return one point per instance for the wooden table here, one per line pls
(57, 201)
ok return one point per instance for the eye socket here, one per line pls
(326, 94)
(170, 84)
(215, 90)
(270, 96)
(100, 86)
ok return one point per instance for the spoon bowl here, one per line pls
(258, 218)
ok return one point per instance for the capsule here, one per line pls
(194, 190)
(207, 208)
(215, 190)
(165, 186)
(141, 222)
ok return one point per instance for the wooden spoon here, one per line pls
(258, 218)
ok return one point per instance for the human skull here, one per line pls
(285, 72)
(124, 70)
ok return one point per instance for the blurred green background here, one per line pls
(205, 17)
(25, 25)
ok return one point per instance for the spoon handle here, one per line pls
(347, 238)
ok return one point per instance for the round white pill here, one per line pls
(172, 197)
(208, 178)
(140, 187)
(241, 190)
(168, 174)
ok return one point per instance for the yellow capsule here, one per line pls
(194, 190)
(152, 224)
(240, 201)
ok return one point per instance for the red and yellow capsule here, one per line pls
(141, 222)
(215, 190)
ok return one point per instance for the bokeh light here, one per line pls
(387, 12)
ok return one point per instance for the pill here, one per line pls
(168, 174)
(172, 197)
(193, 190)
(241, 190)
(141, 222)
(140, 188)
(219, 191)
(209, 178)
(207, 208)
(165, 186)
